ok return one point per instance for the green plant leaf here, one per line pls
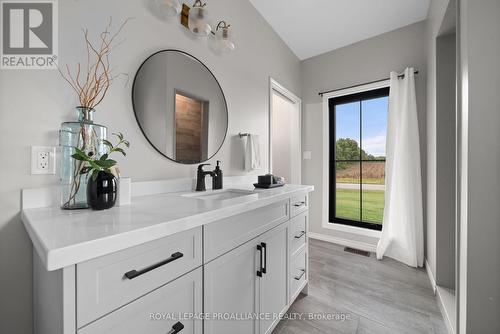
(104, 157)
(108, 144)
(95, 173)
(119, 135)
(80, 156)
(79, 151)
(118, 149)
(106, 163)
(95, 165)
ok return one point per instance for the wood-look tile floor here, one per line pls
(374, 297)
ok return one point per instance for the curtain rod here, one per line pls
(401, 76)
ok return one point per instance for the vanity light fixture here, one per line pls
(198, 23)
(223, 37)
(173, 7)
(196, 20)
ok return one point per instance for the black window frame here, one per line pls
(332, 102)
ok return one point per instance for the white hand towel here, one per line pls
(252, 153)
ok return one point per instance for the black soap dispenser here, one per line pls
(217, 178)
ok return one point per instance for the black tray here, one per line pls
(268, 186)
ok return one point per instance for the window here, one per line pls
(358, 127)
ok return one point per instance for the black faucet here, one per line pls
(200, 177)
(216, 175)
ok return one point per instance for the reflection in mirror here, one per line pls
(180, 107)
(191, 129)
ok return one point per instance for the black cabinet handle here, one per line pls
(300, 235)
(264, 246)
(176, 328)
(134, 273)
(303, 271)
(299, 203)
(259, 272)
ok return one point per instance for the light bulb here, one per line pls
(172, 7)
(223, 38)
(198, 22)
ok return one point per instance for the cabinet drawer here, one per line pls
(158, 311)
(110, 281)
(298, 232)
(229, 233)
(298, 203)
(298, 273)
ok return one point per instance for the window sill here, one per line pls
(352, 229)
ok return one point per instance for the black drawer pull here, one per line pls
(264, 246)
(300, 235)
(134, 273)
(298, 204)
(176, 328)
(303, 271)
(259, 272)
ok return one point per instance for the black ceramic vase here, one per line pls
(102, 192)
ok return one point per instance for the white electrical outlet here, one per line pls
(43, 160)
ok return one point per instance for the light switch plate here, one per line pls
(306, 155)
(43, 160)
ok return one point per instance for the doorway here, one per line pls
(191, 128)
(285, 133)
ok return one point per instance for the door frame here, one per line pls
(275, 86)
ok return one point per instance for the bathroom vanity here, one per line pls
(224, 261)
(173, 261)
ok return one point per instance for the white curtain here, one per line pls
(402, 232)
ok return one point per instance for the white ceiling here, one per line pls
(313, 27)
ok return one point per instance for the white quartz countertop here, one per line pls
(63, 238)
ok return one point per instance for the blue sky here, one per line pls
(374, 123)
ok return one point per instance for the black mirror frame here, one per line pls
(218, 84)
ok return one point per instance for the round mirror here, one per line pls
(180, 106)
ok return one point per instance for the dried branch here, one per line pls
(93, 85)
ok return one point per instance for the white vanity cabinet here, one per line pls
(231, 285)
(273, 297)
(157, 312)
(239, 271)
(121, 292)
(249, 280)
(108, 282)
(299, 264)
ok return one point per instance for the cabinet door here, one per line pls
(273, 284)
(230, 287)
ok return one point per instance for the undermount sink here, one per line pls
(220, 195)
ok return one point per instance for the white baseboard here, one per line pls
(446, 310)
(344, 242)
(447, 316)
(431, 276)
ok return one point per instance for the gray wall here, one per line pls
(445, 159)
(33, 103)
(480, 118)
(358, 63)
(435, 18)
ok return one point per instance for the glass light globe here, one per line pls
(198, 22)
(172, 7)
(223, 40)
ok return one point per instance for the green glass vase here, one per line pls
(88, 137)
